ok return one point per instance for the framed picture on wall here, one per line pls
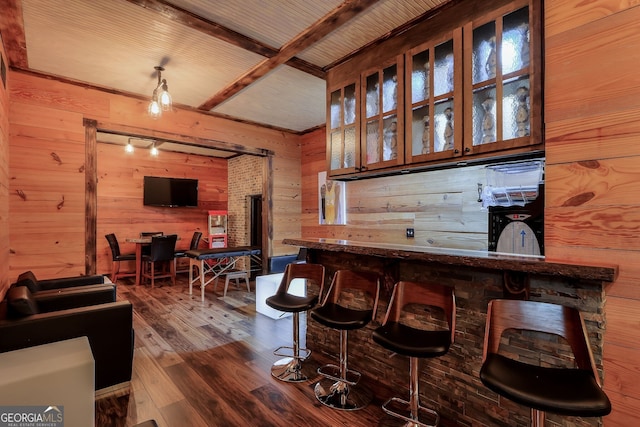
(332, 206)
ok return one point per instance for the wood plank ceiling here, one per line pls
(256, 61)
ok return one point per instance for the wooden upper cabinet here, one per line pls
(383, 116)
(502, 93)
(343, 130)
(433, 85)
(465, 85)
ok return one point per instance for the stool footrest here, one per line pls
(333, 373)
(278, 352)
(406, 412)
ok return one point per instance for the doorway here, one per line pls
(255, 228)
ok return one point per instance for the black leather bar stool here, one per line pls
(397, 335)
(559, 390)
(290, 368)
(350, 304)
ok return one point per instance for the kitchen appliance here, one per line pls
(518, 229)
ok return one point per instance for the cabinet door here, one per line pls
(343, 132)
(383, 119)
(433, 99)
(502, 85)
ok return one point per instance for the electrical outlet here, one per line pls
(410, 233)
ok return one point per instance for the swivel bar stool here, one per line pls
(290, 368)
(350, 304)
(396, 335)
(559, 390)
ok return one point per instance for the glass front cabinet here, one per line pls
(502, 85)
(472, 91)
(433, 86)
(343, 148)
(383, 110)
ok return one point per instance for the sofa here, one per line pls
(29, 319)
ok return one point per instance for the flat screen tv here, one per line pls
(172, 192)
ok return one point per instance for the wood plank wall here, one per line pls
(46, 166)
(441, 206)
(120, 191)
(592, 115)
(4, 181)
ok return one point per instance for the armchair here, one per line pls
(28, 279)
(27, 320)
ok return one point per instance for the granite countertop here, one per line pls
(469, 258)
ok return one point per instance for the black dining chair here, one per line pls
(161, 252)
(147, 248)
(117, 257)
(182, 253)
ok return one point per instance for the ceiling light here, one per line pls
(129, 147)
(161, 99)
(154, 150)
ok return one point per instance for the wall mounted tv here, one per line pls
(172, 192)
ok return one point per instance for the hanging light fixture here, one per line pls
(161, 99)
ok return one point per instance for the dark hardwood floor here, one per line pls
(208, 364)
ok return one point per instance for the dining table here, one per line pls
(140, 243)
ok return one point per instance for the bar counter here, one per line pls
(463, 258)
(450, 383)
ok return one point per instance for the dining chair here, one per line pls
(161, 252)
(117, 257)
(182, 253)
(147, 248)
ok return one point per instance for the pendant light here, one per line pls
(161, 99)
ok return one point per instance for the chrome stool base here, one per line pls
(400, 410)
(340, 395)
(292, 370)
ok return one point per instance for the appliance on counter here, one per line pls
(518, 229)
(514, 197)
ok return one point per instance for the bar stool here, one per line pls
(559, 390)
(397, 335)
(290, 368)
(345, 311)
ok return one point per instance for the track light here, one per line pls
(161, 99)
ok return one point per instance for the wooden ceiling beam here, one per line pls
(223, 33)
(12, 30)
(333, 20)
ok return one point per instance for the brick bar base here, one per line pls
(451, 384)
